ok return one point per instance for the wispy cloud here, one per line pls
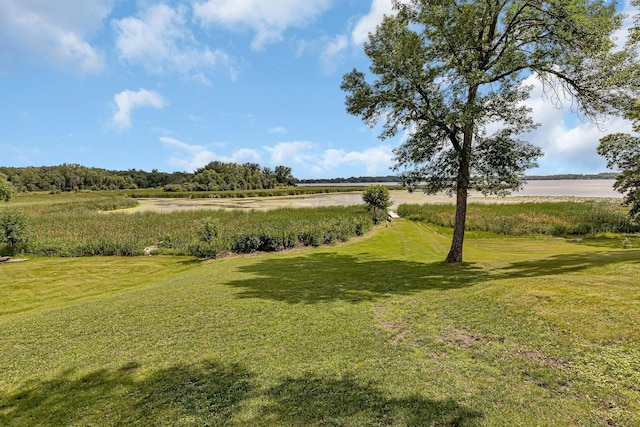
(268, 19)
(127, 100)
(374, 160)
(332, 51)
(307, 156)
(278, 130)
(46, 31)
(160, 40)
(190, 157)
(298, 152)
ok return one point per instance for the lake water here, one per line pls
(558, 190)
(571, 188)
(540, 188)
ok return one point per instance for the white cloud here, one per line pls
(278, 129)
(45, 30)
(332, 51)
(569, 144)
(375, 160)
(193, 157)
(160, 40)
(368, 23)
(298, 152)
(307, 156)
(127, 100)
(268, 19)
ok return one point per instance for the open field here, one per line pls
(530, 331)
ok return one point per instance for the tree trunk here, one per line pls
(462, 192)
(462, 189)
(455, 253)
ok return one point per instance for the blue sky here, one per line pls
(173, 85)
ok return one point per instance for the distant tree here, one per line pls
(284, 176)
(376, 198)
(622, 152)
(6, 189)
(447, 69)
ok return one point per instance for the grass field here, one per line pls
(377, 331)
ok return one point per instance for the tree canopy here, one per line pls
(215, 176)
(377, 199)
(622, 152)
(452, 75)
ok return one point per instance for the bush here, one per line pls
(204, 250)
(245, 244)
(6, 189)
(210, 228)
(14, 233)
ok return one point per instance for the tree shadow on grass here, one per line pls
(209, 393)
(315, 400)
(330, 277)
(204, 393)
(570, 263)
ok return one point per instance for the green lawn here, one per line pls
(530, 331)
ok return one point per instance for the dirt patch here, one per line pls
(463, 338)
(542, 360)
(400, 330)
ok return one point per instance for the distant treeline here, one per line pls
(603, 175)
(352, 180)
(397, 179)
(215, 176)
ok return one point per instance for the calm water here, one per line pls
(559, 188)
(566, 188)
(571, 187)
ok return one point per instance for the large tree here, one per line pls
(451, 74)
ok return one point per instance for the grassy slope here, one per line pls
(374, 332)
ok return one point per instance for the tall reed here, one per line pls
(550, 218)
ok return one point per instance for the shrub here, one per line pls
(245, 244)
(204, 249)
(14, 232)
(210, 228)
(6, 189)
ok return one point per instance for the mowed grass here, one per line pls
(376, 331)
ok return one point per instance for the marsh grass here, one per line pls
(518, 219)
(378, 331)
(76, 225)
